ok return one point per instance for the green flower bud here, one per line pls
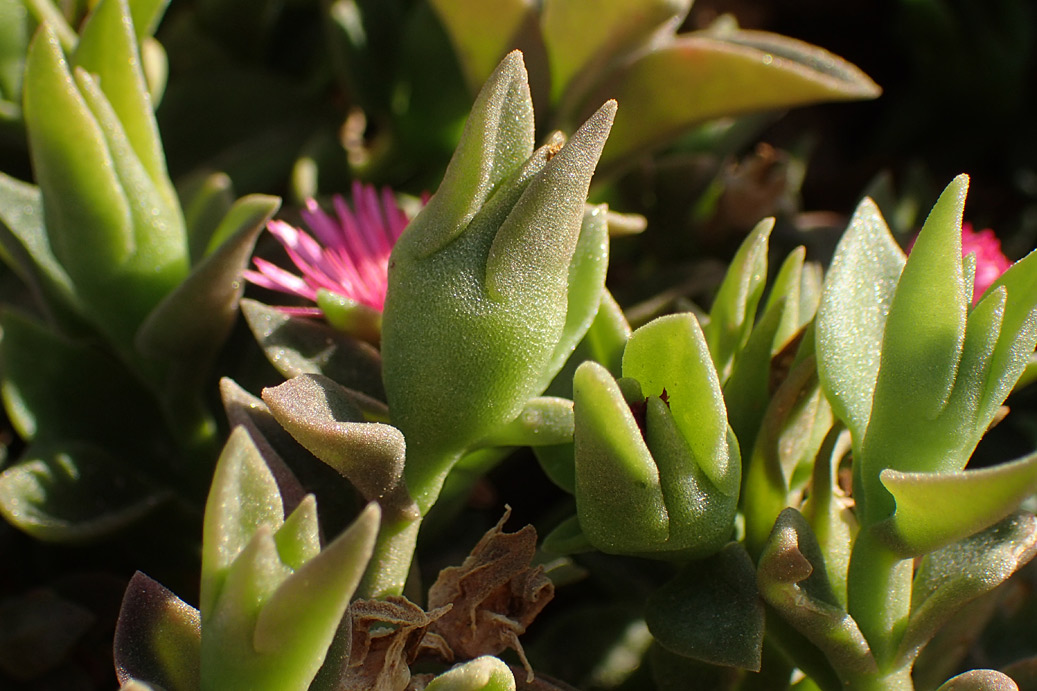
(657, 465)
(479, 282)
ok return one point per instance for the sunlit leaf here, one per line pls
(157, 638)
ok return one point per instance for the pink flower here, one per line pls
(990, 262)
(348, 253)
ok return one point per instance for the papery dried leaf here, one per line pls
(495, 594)
(387, 636)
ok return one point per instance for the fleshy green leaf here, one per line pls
(615, 473)
(559, 464)
(567, 538)
(766, 489)
(192, 322)
(298, 538)
(734, 307)
(146, 16)
(74, 492)
(670, 353)
(248, 411)
(484, 673)
(85, 162)
(935, 509)
(792, 580)
(586, 283)
(541, 233)
(545, 420)
(351, 317)
(700, 517)
(300, 618)
(243, 498)
(711, 611)
(851, 318)
(919, 360)
(1018, 333)
(49, 91)
(747, 390)
(497, 139)
(980, 680)
(604, 341)
(15, 31)
(705, 75)
(582, 38)
(157, 638)
(295, 346)
(950, 577)
(323, 417)
(487, 311)
(25, 248)
(108, 49)
(829, 511)
(206, 199)
(229, 656)
(482, 32)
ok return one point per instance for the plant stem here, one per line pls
(879, 594)
(394, 548)
(392, 557)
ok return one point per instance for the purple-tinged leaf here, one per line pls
(157, 638)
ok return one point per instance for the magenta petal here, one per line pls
(348, 252)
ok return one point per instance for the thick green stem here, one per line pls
(391, 561)
(879, 594)
(394, 549)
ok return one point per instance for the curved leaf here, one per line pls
(951, 577)
(497, 140)
(157, 638)
(25, 248)
(55, 388)
(582, 37)
(980, 680)
(921, 348)
(711, 611)
(615, 472)
(15, 31)
(108, 48)
(74, 492)
(792, 578)
(544, 421)
(734, 306)
(295, 345)
(586, 283)
(705, 75)
(482, 32)
(323, 417)
(485, 673)
(194, 319)
(851, 318)
(243, 499)
(670, 354)
(935, 509)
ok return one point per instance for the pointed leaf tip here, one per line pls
(498, 138)
(540, 234)
(305, 610)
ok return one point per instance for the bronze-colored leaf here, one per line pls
(387, 636)
(495, 594)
